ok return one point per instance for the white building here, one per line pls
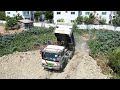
(70, 16)
(25, 14)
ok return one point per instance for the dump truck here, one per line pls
(56, 56)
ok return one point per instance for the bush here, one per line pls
(2, 15)
(37, 15)
(90, 19)
(61, 20)
(102, 21)
(74, 27)
(11, 23)
(86, 20)
(114, 60)
(116, 21)
(79, 20)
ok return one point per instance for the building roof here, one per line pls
(64, 30)
(53, 48)
(26, 21)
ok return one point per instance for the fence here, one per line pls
(107, 27)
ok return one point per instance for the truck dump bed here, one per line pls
(65, 35)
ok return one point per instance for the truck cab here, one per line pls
(53, 57)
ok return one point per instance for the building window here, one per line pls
(58, 12)
(103, 13)
(72, 12)
(72, 21)
(8, 12)
(87, 13)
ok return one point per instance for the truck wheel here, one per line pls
(61, 68)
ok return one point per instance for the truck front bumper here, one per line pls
(47, 67)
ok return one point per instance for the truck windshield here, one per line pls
(49, 56)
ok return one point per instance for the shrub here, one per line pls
(102, 21)
(11, 23)
(114, 60)
(79, 20)
(2, 15)
(61, 20)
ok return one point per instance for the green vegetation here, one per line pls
(79, 20)
(106, 44)
(24, 41)
(12, 22)
(102, 21)
(103, 41)
(61, 20)
(114, 61)
(116, 20)
(2, 15)
(37, 15)
(48, 15)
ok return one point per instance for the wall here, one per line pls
(107, 27)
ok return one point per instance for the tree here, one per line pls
(79, 20)
(11, 23)
(116, 20)
(37, 15)
(102, 21)
(18, 17)
(2, 15)
(49, 15)
(91, 18)
(86, 20)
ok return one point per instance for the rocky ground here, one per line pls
(27, 65)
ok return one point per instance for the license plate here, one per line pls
(50, 64)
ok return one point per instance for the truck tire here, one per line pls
(61, 68)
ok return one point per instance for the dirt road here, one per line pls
(27, 65)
